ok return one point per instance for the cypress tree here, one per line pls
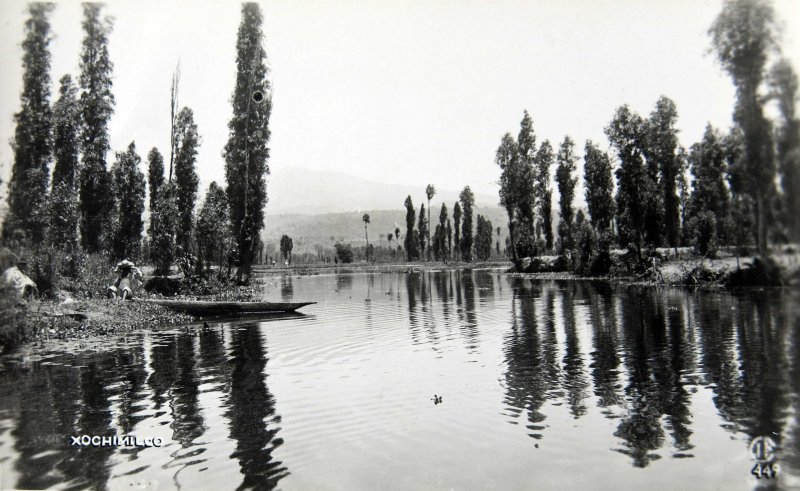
(422, 226)
(27, 193)
(129, 196)
(212, 230)
(97, 106)
(186, 142)
(513, 195)
(246, 152)
(742, 36)
(155, 179)
(566, 190)
(709, 190)
(467, 203)
(783, 82)
(411, 252)
(525, 191)
(544, 195)
(457, 229)
(164, 217)
(637, 194)
(63, 197)
(598, 186)
(663, 151)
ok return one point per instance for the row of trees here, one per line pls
(451, 239)
(733, 197)
(89, 207)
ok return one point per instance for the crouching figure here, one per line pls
(16, 280)
(129, 278)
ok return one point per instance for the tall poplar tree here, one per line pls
(467, 203)
(566, 189)
(637, 194)
(422, 226)
(246, 152)
(663, 152)
(97, 106)
(443, 219)
(457, 229)
(743, 35)
(784, 86)
(64, 195)
(411, 247)
(708, 168)
(155, 179)
(509, 159)
(598, 186)
(186, 142)
(27, 193)
(525, 191)
(129, 194)
(544, 195)
(430, 192)
(212, 230)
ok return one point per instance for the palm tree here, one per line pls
(430, 191)
(366, 221)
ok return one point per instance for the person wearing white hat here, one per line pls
(128, 276)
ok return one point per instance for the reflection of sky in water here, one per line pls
(553, 385)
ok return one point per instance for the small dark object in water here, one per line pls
(436, 399)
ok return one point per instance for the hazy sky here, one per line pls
(404, 91)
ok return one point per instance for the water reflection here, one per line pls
(643, 362)
(527, 378)
(575, 382)
(252, 412)
(673, 376)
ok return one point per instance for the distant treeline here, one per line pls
(82, 207)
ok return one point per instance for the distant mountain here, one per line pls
(309, 231)
(305, 191)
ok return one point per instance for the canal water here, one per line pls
(543, 385)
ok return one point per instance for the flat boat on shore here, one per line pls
(209, 307)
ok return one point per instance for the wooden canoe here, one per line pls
(207, 307)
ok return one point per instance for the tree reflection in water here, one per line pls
(644, 366)
(575, 382)
(251, 411)
(647, 359)
(526, 378)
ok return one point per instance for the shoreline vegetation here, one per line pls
(77, 309)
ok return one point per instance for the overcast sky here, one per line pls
(399, 91)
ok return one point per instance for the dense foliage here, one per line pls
(32, 143)
(186, 142)
(246, 152)
(129, 190)
(63, 231)
(97, 106)
(213, 226)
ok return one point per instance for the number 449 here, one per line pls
(767, 470)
